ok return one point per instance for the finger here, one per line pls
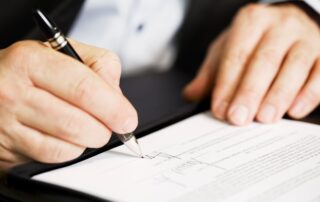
(79, 85)
(43, 147)
(47, 113)
(5, 166)
(245, 33)
(262, 68)
(202, 84)
(291, 78)
(11, 157)
(105, 63)
(309, 97)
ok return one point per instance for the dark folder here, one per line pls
(159, 102)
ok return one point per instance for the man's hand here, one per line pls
(52, 107)
(266, 64)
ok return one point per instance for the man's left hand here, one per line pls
(266, 64)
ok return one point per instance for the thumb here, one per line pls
(201, 86)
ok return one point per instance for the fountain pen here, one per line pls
(59, 42)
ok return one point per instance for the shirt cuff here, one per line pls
(315, 4)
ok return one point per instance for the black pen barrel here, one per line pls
(68, 50)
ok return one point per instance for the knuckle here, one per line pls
(69, 127)
(235, 58)
(18, 139)
(38, 149)
(82, 89)
(312, 96)
(250, 93)
(48, 151)
(289, 21)
(252, 11)
(112, 56)
(7, 93)
(267, 55)
(33, 144)
(56, 153)
(22, 52)
(105, 57)
(5, 142)
(13, 93)
(12, 131)
(20, 48)
(116, 62)
(28, 97)
(282, 94)
(301, 56)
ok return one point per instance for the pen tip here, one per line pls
(140, 151)
(132, 143)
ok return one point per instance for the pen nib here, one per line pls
(132, 143)
(134, 146)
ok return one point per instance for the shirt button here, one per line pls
(140, 27)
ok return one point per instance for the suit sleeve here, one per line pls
(314, 4)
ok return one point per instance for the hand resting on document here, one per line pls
(264, 65)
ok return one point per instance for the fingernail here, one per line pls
(268, 113)
(239, 115)
(129, 125)
(220, 109)
(299, 108)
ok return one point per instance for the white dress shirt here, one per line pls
(141, 32)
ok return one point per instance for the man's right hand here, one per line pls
(52, 107)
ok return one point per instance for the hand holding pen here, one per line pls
(58, 42)
(52, 106)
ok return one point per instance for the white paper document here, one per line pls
(202, 159)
